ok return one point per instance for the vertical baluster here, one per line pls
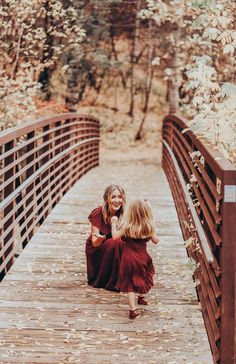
(73, 160)
(97, 145)
(64, 175)
(7, 191)
(30, 148)
(57, 151)
(20, 209)
(87, 153)
(81, 148)
(41, 184)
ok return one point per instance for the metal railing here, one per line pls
(39, 163)
(203, 185)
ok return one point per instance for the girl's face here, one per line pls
(115, 201)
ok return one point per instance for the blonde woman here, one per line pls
(102, 251)
(136, 267)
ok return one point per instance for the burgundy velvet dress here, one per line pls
(103, 262)
(136, 267)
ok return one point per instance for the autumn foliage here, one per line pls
(56, 52)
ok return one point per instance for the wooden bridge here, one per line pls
(48, 312)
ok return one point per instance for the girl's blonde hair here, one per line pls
(107, 194)
(138, 220)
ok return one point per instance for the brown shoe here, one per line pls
(133, 314)
(141, 301)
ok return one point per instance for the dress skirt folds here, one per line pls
(103, 262)
(136, 268)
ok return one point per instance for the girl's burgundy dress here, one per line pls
(136, 268)
(103, 262)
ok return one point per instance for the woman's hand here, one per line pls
(97, 238)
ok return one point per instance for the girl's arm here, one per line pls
(97, 238)
(154, 238)
(116, 234)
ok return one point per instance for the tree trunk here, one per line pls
(45, 75)
(148, 80)
(173, 96)
(123, 79)
(18, 48)
(98, 88)
(133, 56)
(173, 82)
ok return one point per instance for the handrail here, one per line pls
(40, 162)
(206, 248)
(203, 185)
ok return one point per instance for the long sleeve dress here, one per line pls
(103, 262)
(136, 267)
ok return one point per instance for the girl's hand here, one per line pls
(114, 220)
(116, 234)
(154, 239)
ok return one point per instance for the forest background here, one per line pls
(127, 62)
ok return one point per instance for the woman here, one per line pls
(102, 252)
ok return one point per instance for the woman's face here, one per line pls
(115, 201)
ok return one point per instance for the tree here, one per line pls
(191, 34)
(24, 51)
(99, 61)
(148, 79)
(171, 20)
(135, 50)
(210, 75)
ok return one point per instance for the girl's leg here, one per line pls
(132, 312)
(131, 298)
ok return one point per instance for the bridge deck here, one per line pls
(48, 314)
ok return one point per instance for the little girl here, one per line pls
(136, 267)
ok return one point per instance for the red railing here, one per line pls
(39, 162)
(203, 185)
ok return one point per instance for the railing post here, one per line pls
(228, 267)
(7, 191)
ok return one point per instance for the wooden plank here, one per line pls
(48, 313)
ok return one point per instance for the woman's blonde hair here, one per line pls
(107, 194)
(138, 222)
